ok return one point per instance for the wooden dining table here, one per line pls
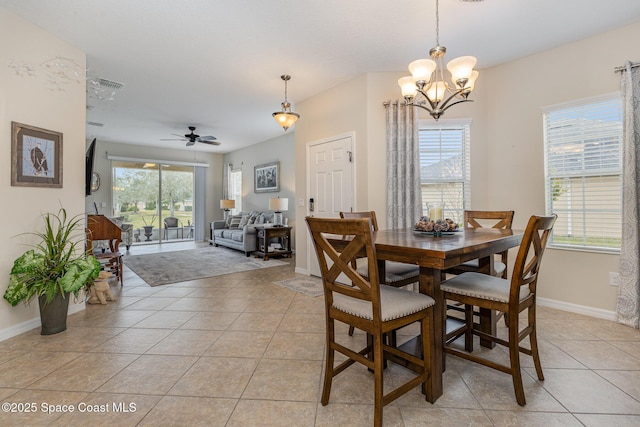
(434, 255)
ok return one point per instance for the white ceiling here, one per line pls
(216, 64)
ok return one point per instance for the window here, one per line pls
(235, 189)
(445, 175)
(583, 172)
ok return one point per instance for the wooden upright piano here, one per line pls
(102, 228)
(99, 227)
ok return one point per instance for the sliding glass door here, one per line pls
(157, 199)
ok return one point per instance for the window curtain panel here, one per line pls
(404, 194)
(628, 304)
(226, 172)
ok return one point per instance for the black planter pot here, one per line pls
(53, 316)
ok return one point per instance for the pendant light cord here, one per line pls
(437, 24)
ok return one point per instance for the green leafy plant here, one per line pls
(55, 265)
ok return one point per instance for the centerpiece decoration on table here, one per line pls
(436, 227)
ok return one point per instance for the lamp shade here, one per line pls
(461, 68)
(421, 69)
(286, 119)
(227, 204)
(408, 86)
(279, 204)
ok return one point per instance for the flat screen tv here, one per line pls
(88, 167)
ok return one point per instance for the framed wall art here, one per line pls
(36, 156)
(267, 177)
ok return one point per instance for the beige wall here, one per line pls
(518, 92)
(279, 149)
(507, 165)
(31, 101)
(338, 111)
(103, 166)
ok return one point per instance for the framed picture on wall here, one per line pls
(36, 156)
(267, 177)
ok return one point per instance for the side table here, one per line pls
(266, 234)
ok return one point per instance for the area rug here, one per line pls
(308, 285)
(180, 266)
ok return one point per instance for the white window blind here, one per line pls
(583, 172)
(445, 174)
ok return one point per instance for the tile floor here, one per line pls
(237, 350)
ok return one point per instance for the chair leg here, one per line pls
(328, 369)
(514, 357)
(468, 332)
(533, 339)
(378, 362)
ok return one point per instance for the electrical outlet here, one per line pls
(614, 279)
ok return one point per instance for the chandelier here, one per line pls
(286, 118)
(427, 79)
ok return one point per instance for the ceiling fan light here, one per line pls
(461, 68)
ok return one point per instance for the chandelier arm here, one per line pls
(444, 105)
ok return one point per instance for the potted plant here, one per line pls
(53, 270)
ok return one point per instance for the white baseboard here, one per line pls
(27, 325)
(302, 271)
(578, 309)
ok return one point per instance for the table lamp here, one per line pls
(278, 205)
(227, 205)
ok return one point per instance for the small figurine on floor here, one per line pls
(100, 291)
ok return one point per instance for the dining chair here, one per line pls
(479, 219)
(508, 296)
(365, 304)
(397, 274)
(110, 258)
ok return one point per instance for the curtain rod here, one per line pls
(622, 68)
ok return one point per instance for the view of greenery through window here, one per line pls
(135, 194)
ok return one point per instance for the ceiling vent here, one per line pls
(95, 124)
(110, 84)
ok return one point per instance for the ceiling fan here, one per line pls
(192, 138)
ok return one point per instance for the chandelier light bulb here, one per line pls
(461, 68)
(408, 86)
(421, 69)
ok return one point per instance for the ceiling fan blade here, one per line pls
(207, 138)
(175, 134)
(190, 143)
(173, 139)
(211, 142)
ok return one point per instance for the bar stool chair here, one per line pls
(510, 297)
(363, 303)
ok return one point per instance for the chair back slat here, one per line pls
(503, 219)
(338, 242)
(366, 214)
(532, 247)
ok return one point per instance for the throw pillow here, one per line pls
(235, 221)
(260, 219)
(244, 221)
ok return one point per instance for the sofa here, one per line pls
(239, 231)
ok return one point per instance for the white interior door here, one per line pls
(330, 184)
